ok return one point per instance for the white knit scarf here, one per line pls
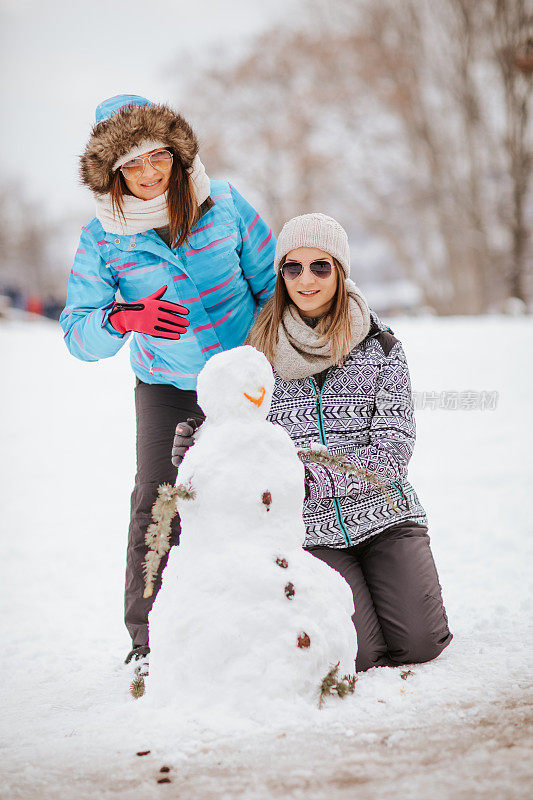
(143, 215)
(302, 351)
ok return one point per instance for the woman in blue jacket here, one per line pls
(180, 262)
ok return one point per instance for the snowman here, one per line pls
(244, 612)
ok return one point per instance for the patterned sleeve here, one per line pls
(392, 438)
(258, 245)
(90, 296)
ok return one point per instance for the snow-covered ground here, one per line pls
(457, 727)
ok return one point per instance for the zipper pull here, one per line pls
(399, 489)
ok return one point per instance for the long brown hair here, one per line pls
(183, 210)
(334, 326)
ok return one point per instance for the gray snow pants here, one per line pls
(399, 613)
(159, 408)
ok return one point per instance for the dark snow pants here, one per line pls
(159, 408)
(399, 613)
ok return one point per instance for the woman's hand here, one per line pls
(183, 439)
(150, 315)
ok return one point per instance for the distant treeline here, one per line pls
(408, 120)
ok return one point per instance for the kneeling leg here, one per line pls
(371, 646)
(400, 573)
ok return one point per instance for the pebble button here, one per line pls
(132, 244)
(117, 241)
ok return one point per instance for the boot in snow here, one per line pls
(138, 657)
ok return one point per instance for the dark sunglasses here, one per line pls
(293, 269)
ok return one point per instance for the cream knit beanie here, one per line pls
(314, 230)
(143, 147)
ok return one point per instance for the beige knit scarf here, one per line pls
(302, 351)
(143, 215)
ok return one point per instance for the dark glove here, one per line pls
(150, 315)
(183, 439)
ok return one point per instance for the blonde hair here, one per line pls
(335, 325)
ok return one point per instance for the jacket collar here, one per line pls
(376, 326)
(138, 241)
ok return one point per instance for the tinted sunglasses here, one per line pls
(293, 269)
(160, 160)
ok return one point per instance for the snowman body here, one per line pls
(243, 609)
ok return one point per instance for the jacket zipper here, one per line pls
(401, 492)
(322, 432)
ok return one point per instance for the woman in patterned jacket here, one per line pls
(342, 389)
(181, 262)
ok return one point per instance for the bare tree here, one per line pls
(25, 260)
(406, 119)
(512, 29)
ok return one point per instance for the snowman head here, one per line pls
(236, 384)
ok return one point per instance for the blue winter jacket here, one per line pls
(223, 274)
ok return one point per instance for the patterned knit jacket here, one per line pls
(364, 413)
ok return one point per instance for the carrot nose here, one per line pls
(256, 400)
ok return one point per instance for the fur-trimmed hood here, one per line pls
(124, 122)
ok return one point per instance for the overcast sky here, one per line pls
(60, 58)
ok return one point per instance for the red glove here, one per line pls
(150, 315)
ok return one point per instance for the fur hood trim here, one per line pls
(124, 130)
